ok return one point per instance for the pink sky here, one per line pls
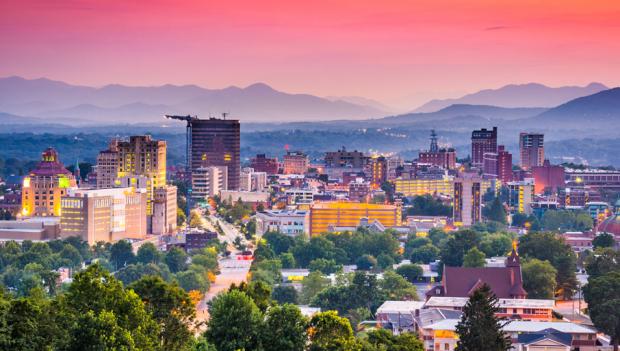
(398, 52)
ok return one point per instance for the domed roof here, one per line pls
(611, 225)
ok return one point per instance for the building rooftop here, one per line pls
(400, 306)
(521, 326)
(442, 301)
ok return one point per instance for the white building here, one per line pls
(250, 180)
(288, 222)
(209, 181)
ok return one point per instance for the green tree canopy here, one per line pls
(285, 329)
(474, 258)
(411, 272)
(538, 278)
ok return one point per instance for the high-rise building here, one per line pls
(467, 198)
(498, 165)
(216, 142)
(482, 141)
(209, 181)
(140, 156)
(44, 186)
(359, 190)
(261, 163)
(104, 214)
(295, 163)
(443, 157)
(531, 149)
(164, 219)
(377, 169)
(324, 215)
(344, 158)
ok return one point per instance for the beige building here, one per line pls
(165, 210)
(295, 163)
(104, 214)
(34, 229)
(250, 180)
(43, 187)
(209, 181)
(418, 187)
(139, 156)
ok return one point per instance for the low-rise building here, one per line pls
(106, 215)
(324, 215)
(164, 220)
(416, 187)
(209, 181)
(288, 222)
(33, 228)
(517, 309)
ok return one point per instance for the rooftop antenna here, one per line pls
(224, 114)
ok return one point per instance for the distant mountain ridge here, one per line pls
(517, 95)
(118, 103)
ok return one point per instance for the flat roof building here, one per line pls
(324, 215)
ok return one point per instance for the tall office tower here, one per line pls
(216, 142)
(209, 181)
(489, 165)
(295, 163)
(482, 141)
(43, 187)
(378, 169)
(261, 163)
(344, 158)
(467, 199)
(140, 156)
(531, 149)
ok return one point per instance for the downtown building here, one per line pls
(327, 215)
(531, 150)
(262, 163)
(482, 141)
(251, 180)
(44, 186)
(442, 157)
(208, 182)
(106, 215)
(467, 200)
(295, 162)
(498, 165)
(139, 157)
(216, 142)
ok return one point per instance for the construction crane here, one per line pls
(188, 157)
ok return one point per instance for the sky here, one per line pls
(401, 53)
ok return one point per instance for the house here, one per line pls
(545, 340)
(506, 282)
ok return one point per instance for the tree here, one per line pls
(366, 262)
(235, 322)
(382, 339)
(279, 243)
(603, 297)
(148, 253)
(496, 244)
(176, 259)
(121, 254)
(328, 331)
(172, 309)
(479, 329)
(604, 240)
(538, 279)
(324, 266)
(395, 287)
(105, 315)
(457, 245)
(425, 254)
(285, 329)
(411, 272)
(602, 262)
(427, 205)
(181, 217)
(288, 260)
(192, 280)
(474, 258)
(312, 284)
(547, 246)
(496, 211)
(195, 220)
(71, 255)
(385, 261)
(284, 294)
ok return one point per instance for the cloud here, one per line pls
(498, 28)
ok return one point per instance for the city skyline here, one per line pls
(399, 53)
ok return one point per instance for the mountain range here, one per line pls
(117, 103)
(517, 95)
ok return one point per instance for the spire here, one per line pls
(434, 147)
(513, 259)
(76, 171)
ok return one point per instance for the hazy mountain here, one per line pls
(7, 118)
(599, 110)
(358, 100)
(463, 112)
(517, 95)
(114, 103)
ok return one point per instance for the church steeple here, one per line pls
(513, 259)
